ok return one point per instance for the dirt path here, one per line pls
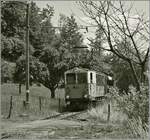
(41, 123)
(77, 128)
(39, 128)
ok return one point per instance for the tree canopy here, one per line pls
(128, 42)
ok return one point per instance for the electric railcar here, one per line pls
(83, 85)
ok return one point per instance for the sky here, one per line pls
(70, 7)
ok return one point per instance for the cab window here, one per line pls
(100, 79)
(71, 78)
(82, 78)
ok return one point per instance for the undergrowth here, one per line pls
(136, 106)
(131, 110)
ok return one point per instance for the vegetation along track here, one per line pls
(64, 115)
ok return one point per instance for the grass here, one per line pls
(131, 128)
(119, 125)
(100, 113)
(48, 106)
(136, 128)
(13, 89)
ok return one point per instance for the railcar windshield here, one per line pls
(82, 78)
(71, 78)
(100, 79)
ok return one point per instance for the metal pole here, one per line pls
(27, 53)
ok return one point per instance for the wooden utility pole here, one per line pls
(27, 54)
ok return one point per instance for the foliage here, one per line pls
(14, 26)
(6, 47)
(7, 71)
(52, 54)
(70, 35)
(122, 72)
(55, 59)
(72, 38)
(48, 70)
(98, 55)
(134, 105)
(13, 19)
(12, 48)
(19, 74)
(136, 128)
(42, 31)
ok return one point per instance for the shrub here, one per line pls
(136, 106)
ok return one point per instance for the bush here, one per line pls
(136, 106)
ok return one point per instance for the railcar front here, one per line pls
(76, 88)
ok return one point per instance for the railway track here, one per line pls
(64, 115)
(61, 116)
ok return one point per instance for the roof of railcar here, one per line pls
(80, 70)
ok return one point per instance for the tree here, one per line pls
(19, 75)
(69, 32)
(14, 25)
(115, 23)
(42, 31)
(71, 39)
(122, 73)
(52, 51)
(13, 19)
(55, 59)
(48, 69)
(97, 53)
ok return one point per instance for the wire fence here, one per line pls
(12, 106)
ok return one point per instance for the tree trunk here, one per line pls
(19, 88)
(52, 92)
(135, 76)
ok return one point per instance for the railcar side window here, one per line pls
(82, 78)
(71, 78)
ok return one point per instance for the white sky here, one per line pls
(70, 7)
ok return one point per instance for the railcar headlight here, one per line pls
(67, 90)
(67, 97)
(68, 103)
(85, 96)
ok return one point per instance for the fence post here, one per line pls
(108, 117)
(59, 105)
(40, 103)
(10, 108)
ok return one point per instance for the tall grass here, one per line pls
(137, 128)
(136, 106)
(100, 113)
(131, 110)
